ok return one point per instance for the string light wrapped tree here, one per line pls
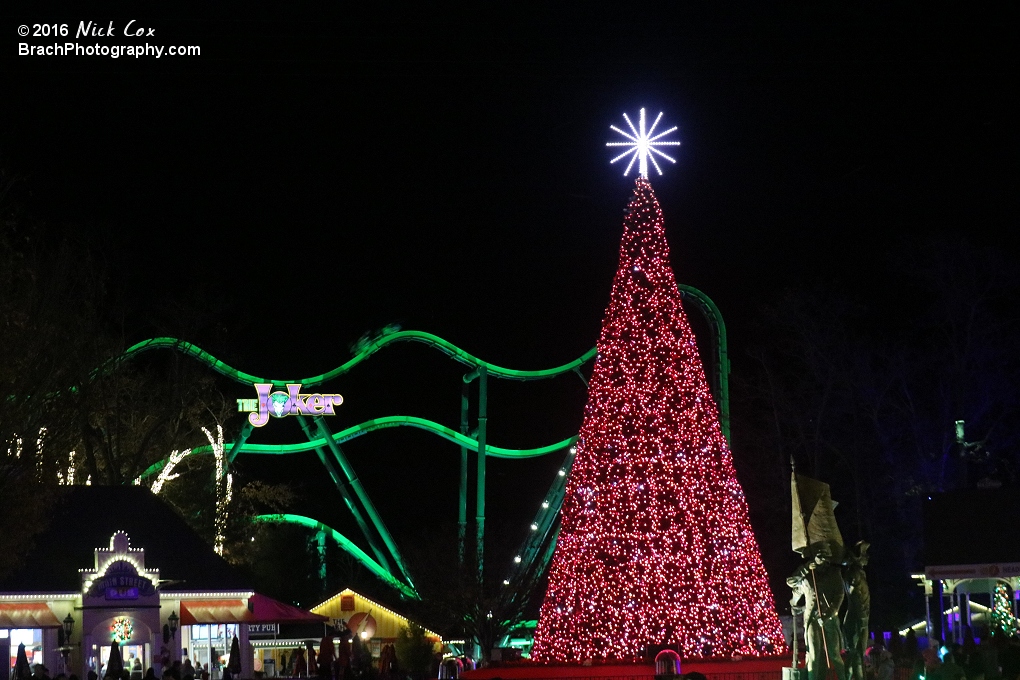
(1003, 620)
(655, 545)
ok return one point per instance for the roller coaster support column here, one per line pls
(320, 540)
(462, 507)
(483, 417)
(239, 444)
(334, 474)
(482, 373)
(359, 491)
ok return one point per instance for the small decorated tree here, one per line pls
(1004, 622)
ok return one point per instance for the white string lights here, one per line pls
(166, 474)
(224, 486)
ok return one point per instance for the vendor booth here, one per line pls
(279, 649)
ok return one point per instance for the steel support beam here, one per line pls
(341, 486)
(362, 495)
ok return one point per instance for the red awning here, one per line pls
(215, 611)
(258, 609)
(268, 610)
(27, 615)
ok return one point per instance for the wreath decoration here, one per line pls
(121, 629)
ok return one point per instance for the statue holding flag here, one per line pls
(818, 582)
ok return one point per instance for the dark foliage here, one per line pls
(862, 385)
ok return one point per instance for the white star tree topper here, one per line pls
(641, 145)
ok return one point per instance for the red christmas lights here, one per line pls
(655, 545)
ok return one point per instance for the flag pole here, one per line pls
(818, 603)
(793, 608)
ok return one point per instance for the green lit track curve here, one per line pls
(188, 349)
(379, 424)
(344, 543)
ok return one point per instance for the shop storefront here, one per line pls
(376, 625)
(208, 627)
(284, 650)
(208, 645)
(160, 594)
(11, 615)
(119, 602)
(30, 637)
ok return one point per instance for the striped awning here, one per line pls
(258, 609)
(27, 615)
(215, 611)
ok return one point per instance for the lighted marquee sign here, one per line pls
(119, 574)
(280, 404)
(121, 582)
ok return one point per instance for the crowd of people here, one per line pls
(184, 670)
(176, 671)
(348, 660)
(988, 658)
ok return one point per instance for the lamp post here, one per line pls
(171, 622)
(65, 649)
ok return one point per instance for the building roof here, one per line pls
(84, 518)
(333, 608)
(972, 526)
(257, 609)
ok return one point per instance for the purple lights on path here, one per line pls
(290, 403)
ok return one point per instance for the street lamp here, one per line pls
(65, 649)
(173, 620)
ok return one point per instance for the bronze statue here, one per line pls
(855, 622)
(819, 581)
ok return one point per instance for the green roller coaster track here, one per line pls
(378, 424)
(323, 442)
(371, 348)
(344, 543)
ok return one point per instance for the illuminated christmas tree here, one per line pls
(1003, 620)
(655, 545)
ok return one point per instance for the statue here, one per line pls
(855, 623)
(819, 581)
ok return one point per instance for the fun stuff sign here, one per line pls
(280, 404)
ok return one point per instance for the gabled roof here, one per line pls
(84, 518)
(331, 608)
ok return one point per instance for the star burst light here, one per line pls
(641, 145)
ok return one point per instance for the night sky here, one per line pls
(323, 170)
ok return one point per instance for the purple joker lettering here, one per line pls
(290, 403)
